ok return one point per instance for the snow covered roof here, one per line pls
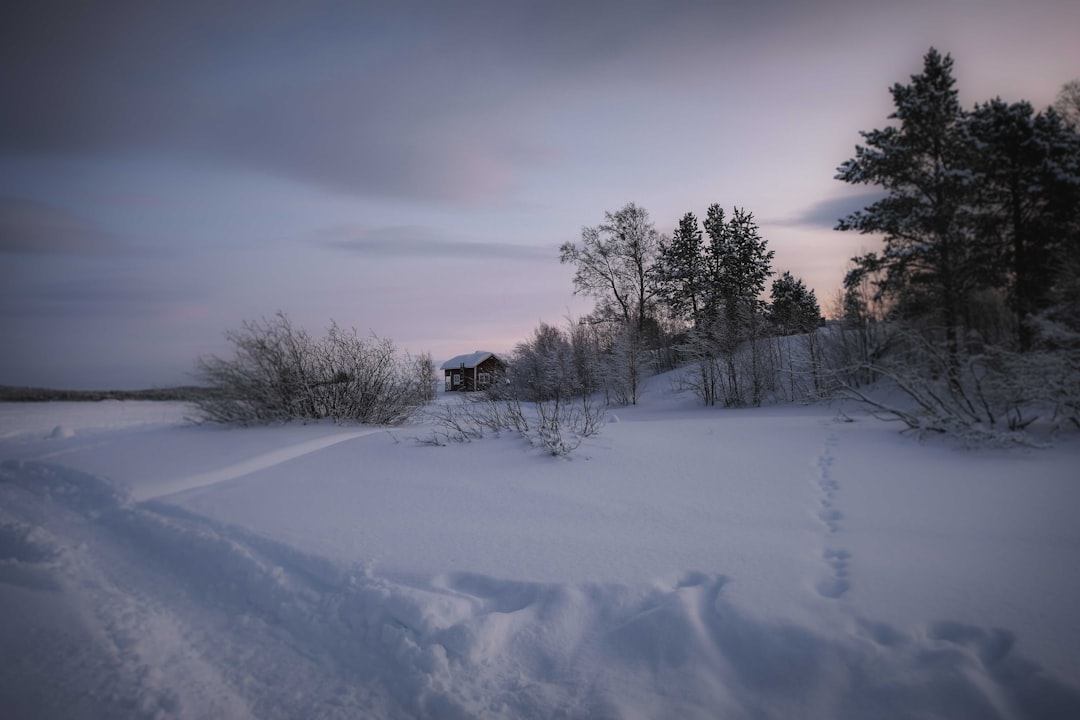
(469, 361)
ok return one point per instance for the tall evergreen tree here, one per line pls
(679, 273)
(737, 263)
(930, 260)
(1027, 167)
(737, 266)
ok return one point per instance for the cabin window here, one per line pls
(484, 379)
(456, 379)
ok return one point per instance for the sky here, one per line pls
(409, 169)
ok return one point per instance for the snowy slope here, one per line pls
(684, 563)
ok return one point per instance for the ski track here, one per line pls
(190, 618)
(245, 467)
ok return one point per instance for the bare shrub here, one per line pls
(732, 372)
(558, 425)
(280, 373)
(984, 398)
(562, 426)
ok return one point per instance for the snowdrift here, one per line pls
(330, 572)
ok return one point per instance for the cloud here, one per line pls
(415, 241)
(425, 101)
(28, 227)
(825, 213)
(98, 290)
(363, 99)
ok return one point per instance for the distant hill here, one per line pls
(9, 393)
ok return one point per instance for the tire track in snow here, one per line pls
(836, 581)
(245, 467)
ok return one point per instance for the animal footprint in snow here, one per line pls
(838, 561)
(833, 587)
(831, 517)
(838, 583)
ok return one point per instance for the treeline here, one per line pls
(971, 310)
(660, 302)
(694, 297)
(9, 393)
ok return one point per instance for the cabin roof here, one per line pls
(469, 361)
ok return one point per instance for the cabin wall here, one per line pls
(477, 378)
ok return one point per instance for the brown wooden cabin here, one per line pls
(475, 371)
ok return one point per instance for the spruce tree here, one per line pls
(737, 262)
(737, 266)
(679, 273)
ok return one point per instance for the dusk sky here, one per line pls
(169, 170)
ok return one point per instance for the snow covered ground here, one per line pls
(685, 563)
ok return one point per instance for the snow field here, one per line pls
(20, 422)
(685, 563)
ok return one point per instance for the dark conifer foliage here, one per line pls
(986, 201)
(1026, 202)
(738, 262)
(981, 228)
(679, 273)
(794, 308)
(930, 259)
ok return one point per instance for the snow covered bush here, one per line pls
(989, 397)
(562, 425)
(557, 425)
(545, 366)
(588, 357)
(1051, 373)
(278, 372)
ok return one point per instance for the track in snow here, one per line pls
(246, 467)
(836, 582)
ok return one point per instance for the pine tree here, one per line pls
(930, 260)
(679, 273)
(737, 263)
(737, 266)
(794, 310)
(1028, 199)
